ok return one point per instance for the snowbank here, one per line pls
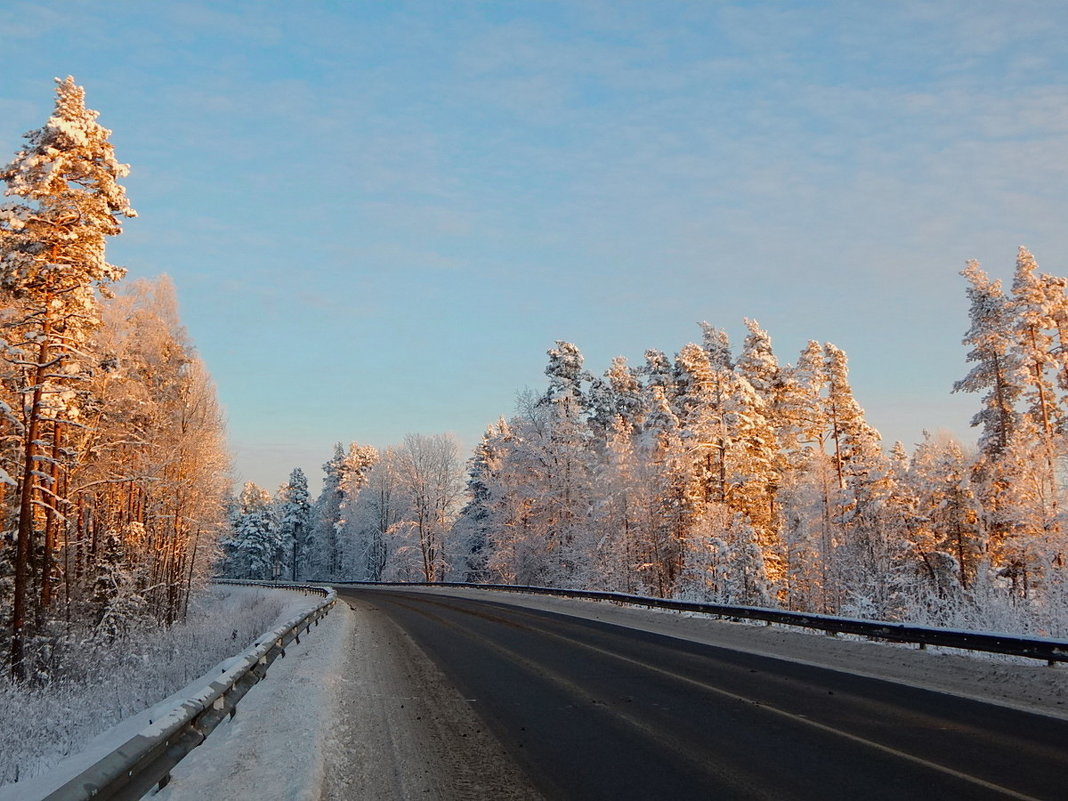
(274, 747)
(59, 722)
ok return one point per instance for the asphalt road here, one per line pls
(591, 710)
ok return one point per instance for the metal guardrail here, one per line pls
(1051, 650)
(147, 758)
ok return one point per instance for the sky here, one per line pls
(379, 216)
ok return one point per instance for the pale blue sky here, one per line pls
(380, 215)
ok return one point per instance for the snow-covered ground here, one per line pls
(274, 747)
(55, 732)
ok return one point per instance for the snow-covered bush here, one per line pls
(105, 680)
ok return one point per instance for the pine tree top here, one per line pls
(68, 177)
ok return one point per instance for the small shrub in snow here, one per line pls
(106, 679)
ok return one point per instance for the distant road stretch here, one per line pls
(595, 711)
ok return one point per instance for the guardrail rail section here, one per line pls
(146, 760)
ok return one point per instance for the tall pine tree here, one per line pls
(52, 262)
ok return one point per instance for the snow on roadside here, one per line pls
(274, 747)
(1015, 682)
(54, 773)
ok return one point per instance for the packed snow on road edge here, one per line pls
(274, 747)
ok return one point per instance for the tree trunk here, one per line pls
(189, 576)
(52, 520)
(24, 550)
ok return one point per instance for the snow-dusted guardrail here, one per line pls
(1051, 650)
(146, 759)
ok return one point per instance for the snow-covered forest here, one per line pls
(724, 475)
(112, 454)
(385, 515)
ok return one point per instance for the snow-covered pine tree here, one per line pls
(705, 571)
(1034, 301)
(563, 447)
(617, 394)
(658, 371)
(700, 405)
(1055, 291)
(951, 531)
(862, 480)
(901, 523)
(1032, 310)
(855, 443)
(344, 475)
(565, 373)
(759, 368)
(620, 495)
(1017, 346)
(733, 445)
(52, 262)
(322, 542)
(672, 510)
(718, 347)
(753, 473)
(805, 487)
(294, 520)
(747, 580)
(997, 363)
(251, 550)
(479, 519)
(998, 373)
(116, 604)
(1029, 541)
(800, 417)
(758, 365)
(521, 529)
(350, 554)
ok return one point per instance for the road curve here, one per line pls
(590, 711)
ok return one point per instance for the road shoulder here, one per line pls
(403, 731)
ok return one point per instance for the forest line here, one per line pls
(736, 479)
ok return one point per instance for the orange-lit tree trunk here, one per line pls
(53, 519)
(23, 554)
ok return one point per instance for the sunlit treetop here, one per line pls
(67, 177)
